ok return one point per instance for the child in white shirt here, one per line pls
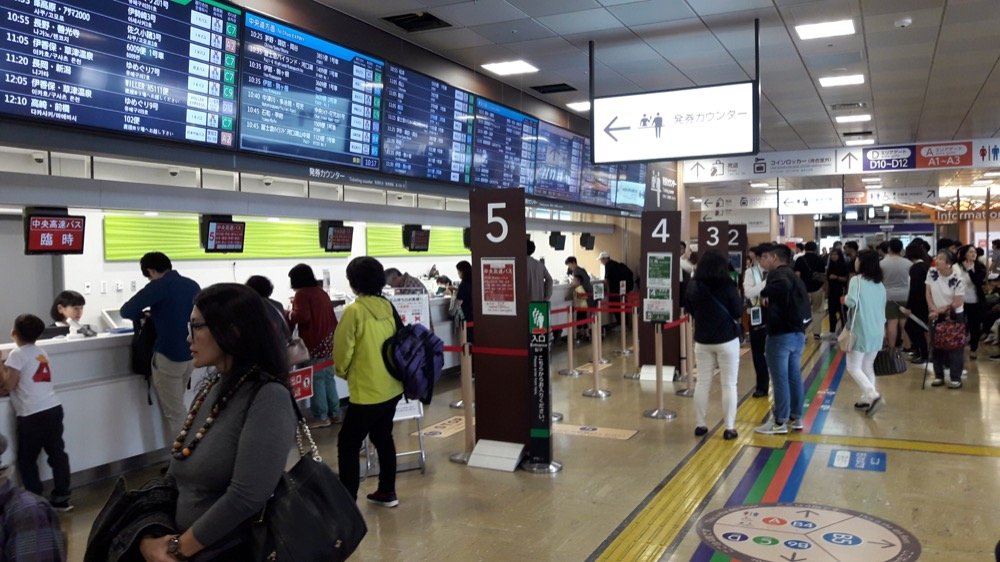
(28, 378)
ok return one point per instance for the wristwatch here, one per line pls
(174, 548)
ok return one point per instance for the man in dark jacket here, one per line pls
(169, 298)
(810, 268)
(614, 273)
(785, 340)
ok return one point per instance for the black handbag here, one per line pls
(311, 515)
(890, 362)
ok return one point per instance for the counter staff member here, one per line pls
(398, 280)
(169, 298)
(67, 310)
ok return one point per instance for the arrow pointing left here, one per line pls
(609, 128)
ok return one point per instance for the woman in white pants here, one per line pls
(715, 304)
(865, 300)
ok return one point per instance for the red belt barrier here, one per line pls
(452, 349)
(576, 324)
(676, 323)
(323, 365)
(469, 324)
(501, 351)
(559, 310)
(611, 310)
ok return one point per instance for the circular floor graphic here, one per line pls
(794, 532)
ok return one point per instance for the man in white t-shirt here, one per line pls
(27, 376)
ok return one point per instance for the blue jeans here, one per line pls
(784, 361)
(325, 403)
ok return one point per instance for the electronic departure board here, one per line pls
(558, 160)
(504, 145)
(156, 68)
(597, 182)
(427, 127)
(305, 97)
(630, 189)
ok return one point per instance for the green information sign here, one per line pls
(658, 306)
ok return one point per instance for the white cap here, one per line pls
(603, 255)
(993, 276)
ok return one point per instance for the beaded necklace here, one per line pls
(179, 450)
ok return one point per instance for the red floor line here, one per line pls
(781, 475)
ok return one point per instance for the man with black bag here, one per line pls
(811, 269)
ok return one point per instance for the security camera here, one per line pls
(399, 197)
(903, 23)
(38, 157)
(268, 181)
(173, 172)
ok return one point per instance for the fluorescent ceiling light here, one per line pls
(579, 106)
(853, 118)
(872, 179)
(696, 199)
(759, 184)
(770, 191)
(991, 175)
(873, 186)
(859, 142)
(982, 182)
(510, 67)
(273, 219)
(825, 29)
(151, 214)
(846, 80)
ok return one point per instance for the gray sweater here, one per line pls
(235, 468)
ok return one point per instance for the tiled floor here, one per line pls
(641, 498)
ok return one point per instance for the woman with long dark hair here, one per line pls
(974, 277)
(866, 302)
(715, 303)
(230, 453)
(836, 283)
(916, 302)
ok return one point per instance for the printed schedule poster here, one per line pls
(497, 282)
(658, 306)
(306, 97)
(153, 68)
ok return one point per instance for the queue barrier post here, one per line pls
(596, 391)
(570, 371)
(635, 341)
(659, 413)
(600, 338)
(625, 351)
(467, 398)
(687, 352)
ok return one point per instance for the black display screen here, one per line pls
(158, 68)
(305, 97)
(597, 182)
(558, 160)
(504, 145)
(427, 129)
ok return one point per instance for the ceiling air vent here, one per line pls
(418, 21)
(858, 134)
(848, 106)
(553, 88)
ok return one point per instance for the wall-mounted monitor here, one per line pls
(587, 240)
(426, 127)
(630, 187)
(167, 70)
(676, 124)
(220, 234)
(306, 97)
(557, 241)
(504, 144)
(558, 162)
(597, 181)
(53, 231)
(335, 237)
(420, 240)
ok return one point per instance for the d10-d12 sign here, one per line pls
(805, 532)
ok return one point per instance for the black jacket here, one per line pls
(716, 308)
(808, 264)
(616, 272)
(778, 292)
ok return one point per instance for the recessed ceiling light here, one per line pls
(859, 142)
(991, 175)
(579, 106)
(151, 214)
(759, 184)
(696, 200)
(845, 80)
(873, 186)
(508, 68)
(853, 118)
(872, 179)
(825, 29)
(770, 191)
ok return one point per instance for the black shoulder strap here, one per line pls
(395, 313)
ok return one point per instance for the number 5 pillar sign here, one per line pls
(661, 236)
(500, 286)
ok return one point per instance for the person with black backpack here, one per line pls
(788, 312)
(357, 353)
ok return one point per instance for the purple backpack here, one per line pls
(415, 357)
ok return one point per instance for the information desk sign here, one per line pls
(301, 381)
(540, 445)
(660, 247)
(499, 284)
(713, 236)
(154, 68)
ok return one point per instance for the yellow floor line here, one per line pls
(898, 444)
(656, 527)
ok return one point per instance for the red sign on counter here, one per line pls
(301, 381)
(54, 235)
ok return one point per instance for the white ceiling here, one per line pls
(936, 79)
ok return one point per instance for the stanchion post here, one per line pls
(569, 371)
(600, 338)
(596, 391)
(660, 413)
(467, 398)
(685, 361)
(635, 339)
(623, 302)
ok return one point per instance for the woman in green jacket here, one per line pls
(357, 355)
(866, 301)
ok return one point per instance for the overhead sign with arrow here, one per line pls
(829, 201)
(676, 124)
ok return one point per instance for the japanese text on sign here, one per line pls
(499, 295)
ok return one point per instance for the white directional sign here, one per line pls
(744, 201)
(676, 124)
(811, 201)
(757, 221)
(909, 195)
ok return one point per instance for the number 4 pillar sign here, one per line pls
(660, 247)
(499, 243)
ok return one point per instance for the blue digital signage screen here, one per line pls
(154, 68)
(630, 189)
(306, 97)
(427, 127)
(558, 163)
(504, 142)
(597, 182)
